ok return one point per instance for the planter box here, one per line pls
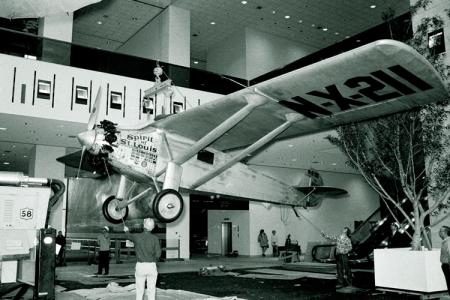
(403, 269)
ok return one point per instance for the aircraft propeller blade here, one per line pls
(81, 160)
(94, 115)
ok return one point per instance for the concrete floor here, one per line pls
(83, 276)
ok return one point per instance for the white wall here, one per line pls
(18, 71)
(240, 231)
(266, 52)
(331, 215)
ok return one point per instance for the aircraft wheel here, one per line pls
(110, 211)
(167, 205)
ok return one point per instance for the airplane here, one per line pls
(188, 150)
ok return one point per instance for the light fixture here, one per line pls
(6, 163)
(334, 164)
(274, 12)
(212, 23)
(325, 29)
(196, 62)
(3, 128)
(373, 6)
(313, 25)
(336, 33)
(99, 22)
(48, 240)
(244, 2)
(25, 156)
(287, 17)
(300, 21)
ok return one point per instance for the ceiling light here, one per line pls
(325, 29)
(196, 62)
(273, 12)
(99, 22)
(6, 163)
(334, 164)
(313, 25)
(244, 2)
(212, 23)
(373, 6)
(287, 17)
(347, 36)
(3, 128)
(300, 21)
(336, 33)
(25, 156)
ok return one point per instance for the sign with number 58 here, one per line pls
(26, 213)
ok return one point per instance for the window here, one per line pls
(116, 100)
(81, 95)
(44, 89)
(177, 107)
(436, 42)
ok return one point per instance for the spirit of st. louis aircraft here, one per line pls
(188, 150)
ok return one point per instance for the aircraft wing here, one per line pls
(376, 79)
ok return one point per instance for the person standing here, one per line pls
(61, 241)
(396, 237)
(444, 233)
(343, 247)
(274, 243)
(104, 242)
(148, 251)
(263, 241)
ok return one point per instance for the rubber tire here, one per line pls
(106, 214)
(157, 201)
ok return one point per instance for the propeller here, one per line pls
(94, 114)
(91, 125)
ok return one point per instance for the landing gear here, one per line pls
(167, 205)
(112, 212)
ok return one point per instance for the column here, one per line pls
(167, 38)
(56, 29)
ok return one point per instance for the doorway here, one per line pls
(227, 246)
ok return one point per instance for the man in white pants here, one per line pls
(148, 251)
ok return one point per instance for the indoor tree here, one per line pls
(410, 148)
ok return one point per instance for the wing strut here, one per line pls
(253, 101)
(290, 119)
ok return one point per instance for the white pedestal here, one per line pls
(403, 269)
